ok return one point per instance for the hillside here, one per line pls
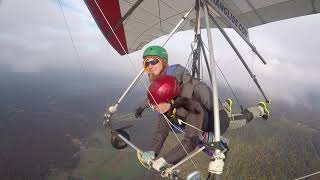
(275, 149)
(99, 160)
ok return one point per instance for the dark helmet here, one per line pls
(163, 89)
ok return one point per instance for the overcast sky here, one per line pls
(34, 38)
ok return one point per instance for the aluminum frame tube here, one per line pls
(197, 51)
(184, 160)
(248, 42)
(177, 26)
(130, 86)
(129, 143)
(213, 77)
(205, 58)
(239, 56)
(217, 133)
(196, 60)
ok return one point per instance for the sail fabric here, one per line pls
(155, 18)
(106, 14)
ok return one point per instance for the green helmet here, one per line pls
(156, 51)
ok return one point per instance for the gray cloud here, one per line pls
(36, 38)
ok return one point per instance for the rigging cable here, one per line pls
(229, 85)
(73, 43)
(235, 59)
(249, 78)
(189, 62)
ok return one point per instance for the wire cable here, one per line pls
(225, 78)
(73, 43)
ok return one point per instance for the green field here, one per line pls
(275, 149)
(267, 150)
(100, 161)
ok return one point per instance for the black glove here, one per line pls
(139, 111)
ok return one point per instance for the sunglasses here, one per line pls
(151, 62)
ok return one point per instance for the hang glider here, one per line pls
(129, 25)
(137, 22)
